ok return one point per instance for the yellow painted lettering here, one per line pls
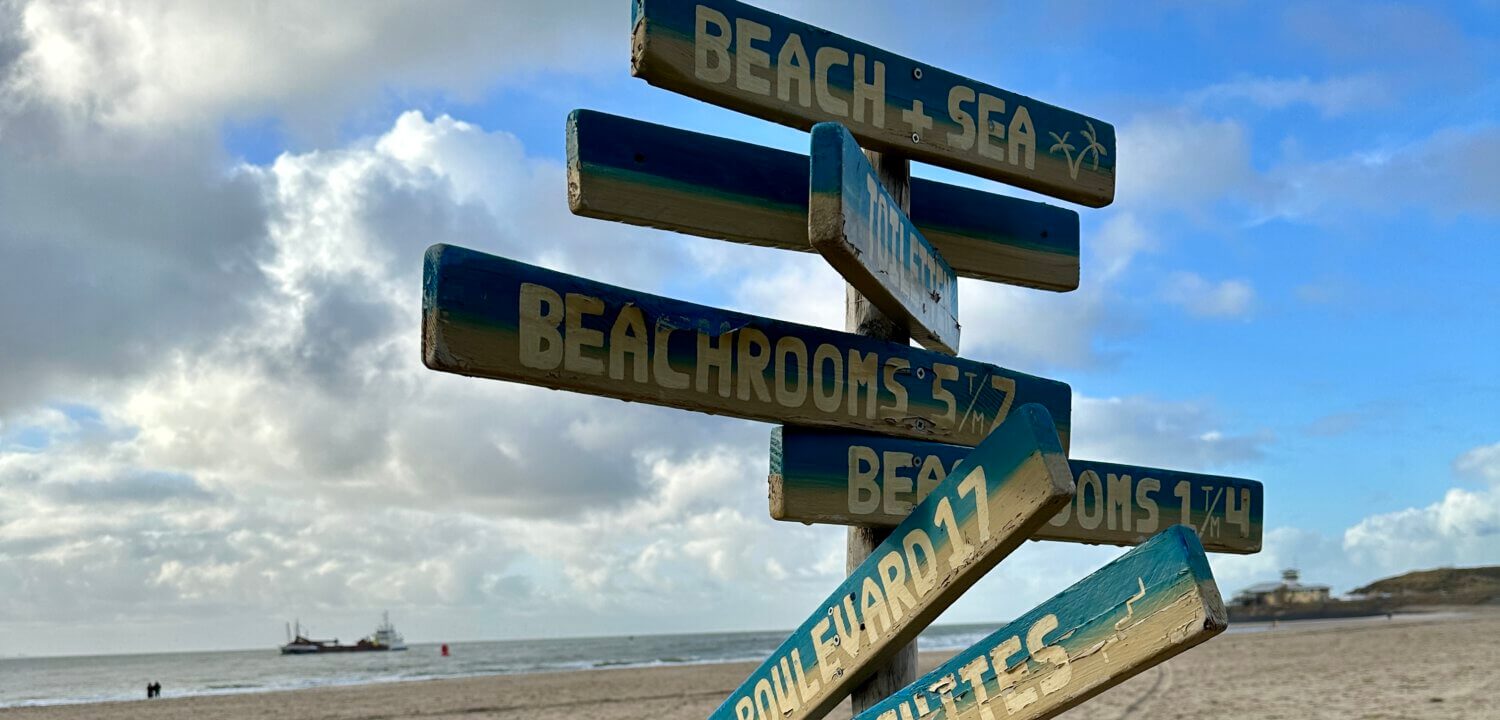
(828, 388)
(1145, 492)
(792, 66)
(957, 96)
(871, 91)
(893, 579)
(893, 483)
(541, 312)
(791, 348)
(755, 357)
(1061, 673)
(1022, 134)
(579, 337)
(711, 48)
(989, 128)
(661, 362)
(825, 58)
(718, 357)
(864, 492)
(747, 56)
(628, 337)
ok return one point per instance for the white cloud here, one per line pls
(1205, 298)
(1035, 331)
(309, 420)
(1155, 433)
(164, 64)
(1449, 173)
(1482, 462)
(1462, 528)
(1333, 97)
(1184, 162)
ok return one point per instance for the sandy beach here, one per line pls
(1439, 667)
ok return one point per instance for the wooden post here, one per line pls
(862, 317)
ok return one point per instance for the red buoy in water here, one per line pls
(445, 649)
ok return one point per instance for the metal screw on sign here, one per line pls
(916, 73)
(916, 138)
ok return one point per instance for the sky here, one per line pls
(214, 418)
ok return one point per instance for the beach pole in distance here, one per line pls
(863, 318)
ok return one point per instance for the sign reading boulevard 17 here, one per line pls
(964, 460)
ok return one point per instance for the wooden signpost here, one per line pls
(647, 174)
(772, 67)
(490, 317)
(1010, 484)
(846, 478)
(864, 233)
(876, 431)
(1154, 602)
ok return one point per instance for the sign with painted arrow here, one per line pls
(785, 71)
(490, 317)
(850, 478)
(646, 174)
(1011, 483)
(1154, 602)
(862, 231)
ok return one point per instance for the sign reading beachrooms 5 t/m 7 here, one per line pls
(490, 317)
(766, 65)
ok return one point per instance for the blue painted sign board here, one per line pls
(646, 174)
(1152, 603)
(785, 71)
(1011, 483)
(855, 223)
(487, 316)
(851, 478)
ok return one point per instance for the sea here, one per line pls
(66, 680)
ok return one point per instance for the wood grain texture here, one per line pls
(863, 318)
(785, 71)
(490, 317)
(847, 478)
(1012, 482)
(863, 232)
(1154, 602)
(657, 176)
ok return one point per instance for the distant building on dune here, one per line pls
(1287, 593)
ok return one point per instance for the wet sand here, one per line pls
(1440, 667)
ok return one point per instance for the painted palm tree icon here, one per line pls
(1067, 148)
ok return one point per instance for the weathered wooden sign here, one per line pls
(772, 67)
(863, 233)
(491, 317)
(1011, 483)
(1154, 602)
(849, 478)
(653, 175)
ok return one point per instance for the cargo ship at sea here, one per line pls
(384, 639)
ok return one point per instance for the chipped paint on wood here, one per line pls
(849, 478)
(785, 71)
(862, 231)
(491, 317)
(1154, 602)
(657, 176)
(1013, 481)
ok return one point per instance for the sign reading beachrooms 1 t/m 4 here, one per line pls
(766, 65)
